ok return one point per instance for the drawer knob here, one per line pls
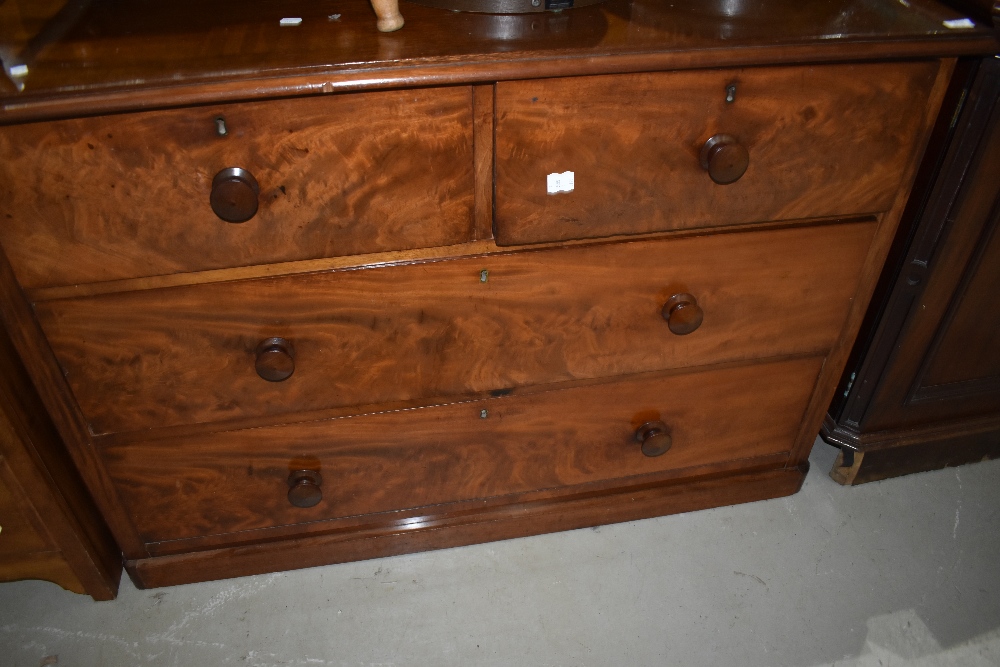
(683, 314)
(275, 359)
(724, 158)
(655, 438)
(234, 195)
(304, 488)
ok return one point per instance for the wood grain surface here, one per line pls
(27, 551)
(385, 536)
(826, 385)
(186, 355)
(106, 198)
(482, 106)
(145, 55)
(35, 397)
(823, 141)
(149, 366)
(20, 535)
(236, 481)
(40, 483)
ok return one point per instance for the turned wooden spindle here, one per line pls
(389, 18)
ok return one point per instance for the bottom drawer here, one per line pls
(542, 442)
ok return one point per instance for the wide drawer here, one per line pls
(441, 329)
(555, 440)
(828, 140)
(105, 198)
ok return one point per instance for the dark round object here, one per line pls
(725, 159)
(655, 438)
(234, 195)
(683, 314)
(304, 488)
(275, 359)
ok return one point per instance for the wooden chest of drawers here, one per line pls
(452, 292)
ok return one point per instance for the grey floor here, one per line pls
(901, 572)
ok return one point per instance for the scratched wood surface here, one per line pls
(105, 198)
(186, 355)
(825, 140)
(236, 481)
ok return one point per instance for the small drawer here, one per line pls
(163, 192)
(645, 150)
(422, 331)
(555, 440)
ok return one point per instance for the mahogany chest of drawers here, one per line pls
(355, 294)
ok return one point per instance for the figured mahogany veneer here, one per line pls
(158, 358)
(129, 196)
(237, 481)
(829, 140)
(267, 315)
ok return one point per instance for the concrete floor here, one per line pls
(901, 572)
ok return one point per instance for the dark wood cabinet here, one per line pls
(923, 391)
(300, 295)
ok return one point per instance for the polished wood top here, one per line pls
(84, 56)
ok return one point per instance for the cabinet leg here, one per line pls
(845, 469)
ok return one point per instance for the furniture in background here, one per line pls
(49, 526)
(301, 295)
(923, 388)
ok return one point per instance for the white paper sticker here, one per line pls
(289, 21)
(19, 70)
(560, 182)
(959, 23)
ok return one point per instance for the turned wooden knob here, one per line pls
(234, 195)
(275, 359)
(389, 18)
(304, 488)
(725, 159)
(655, 438)
(683, 314)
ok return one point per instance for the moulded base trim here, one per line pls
(893, 453)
